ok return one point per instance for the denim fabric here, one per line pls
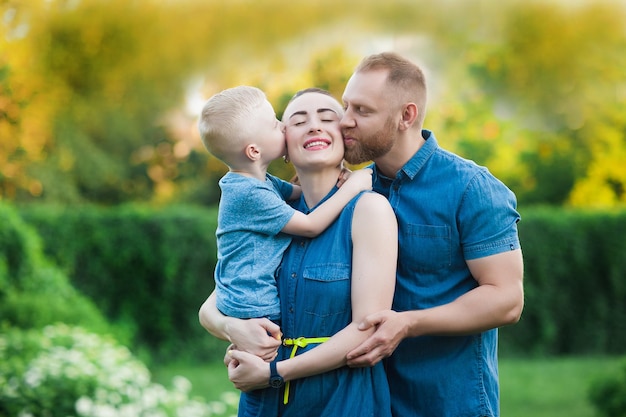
(249, 244)
(314, 284)
(449, 210)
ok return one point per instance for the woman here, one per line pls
(327, 285)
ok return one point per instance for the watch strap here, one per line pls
(276, 381)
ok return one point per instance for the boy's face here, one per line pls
(268, 132)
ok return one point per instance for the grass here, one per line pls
(544, 387)
(551, 387)
(209, 381)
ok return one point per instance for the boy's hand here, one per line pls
(359, 180)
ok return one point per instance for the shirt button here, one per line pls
(293, 275)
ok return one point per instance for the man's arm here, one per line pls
(260, 337)
(497, 301)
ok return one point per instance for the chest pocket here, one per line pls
(425, 248)
(327, 289)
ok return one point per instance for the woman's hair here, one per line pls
(310, 90)
(405, 78)
(223, 121)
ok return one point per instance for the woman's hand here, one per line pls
(247, 372)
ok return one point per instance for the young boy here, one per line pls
(240, 128)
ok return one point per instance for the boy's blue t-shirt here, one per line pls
(249, 244)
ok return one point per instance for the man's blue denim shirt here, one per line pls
(449, 210)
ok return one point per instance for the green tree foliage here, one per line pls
(93, 93)
(559, 73)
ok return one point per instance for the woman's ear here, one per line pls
(409, 116)
(252, 152)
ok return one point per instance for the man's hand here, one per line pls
(390, 330)
(343, 176)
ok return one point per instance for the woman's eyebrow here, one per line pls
(298, 113)
(304, 112)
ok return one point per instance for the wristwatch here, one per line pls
(276, 381)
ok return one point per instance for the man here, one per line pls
(460, 264)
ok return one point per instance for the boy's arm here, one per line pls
(312, 224)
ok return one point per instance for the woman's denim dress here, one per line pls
(314, 289)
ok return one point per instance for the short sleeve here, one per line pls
(253, 206)
(488, 217)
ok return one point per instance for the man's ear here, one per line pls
(409, 116)
(252, 152)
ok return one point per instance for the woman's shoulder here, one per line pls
(372, 203)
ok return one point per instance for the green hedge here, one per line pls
(144, 267)
(153, 267)
(33, 291)
(575, 283)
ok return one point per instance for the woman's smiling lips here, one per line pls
(316, 144)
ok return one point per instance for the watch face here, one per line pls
(276, 382)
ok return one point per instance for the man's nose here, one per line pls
(347, 120)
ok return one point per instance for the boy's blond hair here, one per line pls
(223, 121)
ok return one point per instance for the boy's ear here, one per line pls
(252, 152)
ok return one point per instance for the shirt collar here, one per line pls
(417, 161)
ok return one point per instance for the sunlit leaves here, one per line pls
(92, 92)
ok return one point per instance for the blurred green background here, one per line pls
(99, 99)
(107, 196)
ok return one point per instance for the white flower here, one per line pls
(231, 398)
(217, 407)
(181, 384)
(100, 410)
(84, 406)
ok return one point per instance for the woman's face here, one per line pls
(312, 131)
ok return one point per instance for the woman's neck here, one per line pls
(316, 185)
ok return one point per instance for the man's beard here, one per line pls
(368, 148)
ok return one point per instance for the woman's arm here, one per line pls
(375, 248)
(260, 337)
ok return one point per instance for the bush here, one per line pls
(574, 269)
(143, 267)
(33, 292)
(67, 371)
(608, 395)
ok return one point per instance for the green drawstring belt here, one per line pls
(296, 343)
